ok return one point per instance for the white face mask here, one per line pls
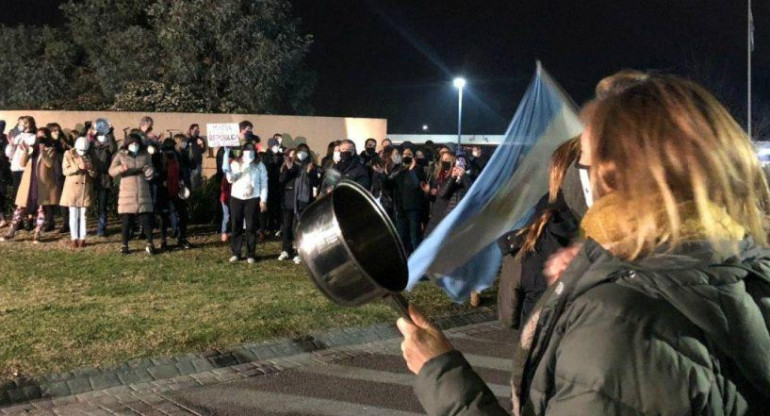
(302, 156)
(150, 149)
(337, 157)
(20, 127)
(134, 148)
(276, 149)
(396, 158)
(248, 156)
(280, 140)
(101, 139)
(476, 153)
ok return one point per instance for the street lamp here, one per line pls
(459, 83)
(424, 127)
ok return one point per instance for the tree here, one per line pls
(230, 55)
(35, 66)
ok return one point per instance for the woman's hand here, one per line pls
(423, 341)
(263, 206)
(558, 262)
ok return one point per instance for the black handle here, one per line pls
(399, 304)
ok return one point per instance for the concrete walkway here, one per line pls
(367, 380)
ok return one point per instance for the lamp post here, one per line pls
(459, 83)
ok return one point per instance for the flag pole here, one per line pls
(750, 47)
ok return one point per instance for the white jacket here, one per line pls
(249, 181)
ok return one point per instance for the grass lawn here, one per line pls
(62, 309)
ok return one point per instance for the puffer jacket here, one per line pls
(78, 184)
(134, 196)
(680, 333)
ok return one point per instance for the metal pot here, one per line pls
(351, 249)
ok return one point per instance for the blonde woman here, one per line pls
(665, 308)
(78, 194)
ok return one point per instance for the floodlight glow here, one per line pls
(424, 127)
(459, 82)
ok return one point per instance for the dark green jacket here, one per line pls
(683, 333)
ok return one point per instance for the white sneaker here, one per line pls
(297, 260)
(284, 256)
(251, 260)
(233, 259)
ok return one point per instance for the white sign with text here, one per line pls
(220, 135)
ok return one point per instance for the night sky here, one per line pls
(396, 58)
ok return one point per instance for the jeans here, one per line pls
(225, 217)
(244, 210)
(179, 208)
(78, 223)
(102, 196)
(408, 225)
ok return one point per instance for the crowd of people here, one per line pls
(46, 173)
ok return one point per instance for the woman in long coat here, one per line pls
(79, 172)
(38, 187)
(134, 167)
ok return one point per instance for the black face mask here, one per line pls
(346, 156)
(407, 160)
(446, 165)
(422, 162)
(370, 151)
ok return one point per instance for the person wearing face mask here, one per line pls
(369, 154)
(102, 151)
(248, 197)
(273, 159)
(20, 138)
(197, 148)
(135, 169)
(171, 176)
(328, 160)
(448, 185)
(298, 178)
(38, 184)
(5, 173)
(406, 185)
(246, 135)
(78, 193)
(62, 144)
(389, 159)
(350, 166)
(476, 162)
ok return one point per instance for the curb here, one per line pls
(149, 370)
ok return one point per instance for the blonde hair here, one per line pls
(667, 139)
(564, 156)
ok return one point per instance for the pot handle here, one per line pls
(399, 304)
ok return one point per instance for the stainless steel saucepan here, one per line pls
(351, 249)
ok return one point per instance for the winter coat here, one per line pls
(290, 180)
(449, 193)
(404, 185)
(102, 157)
(134, 195)
(679, 332)
(47, 189)
(355, 171)
(78, 184)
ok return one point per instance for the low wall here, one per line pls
(317, 132)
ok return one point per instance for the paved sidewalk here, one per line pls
(366, 379)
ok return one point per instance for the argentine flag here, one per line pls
(461, 254)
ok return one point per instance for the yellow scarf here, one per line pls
(610, 223)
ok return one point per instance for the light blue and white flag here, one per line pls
(462, 253)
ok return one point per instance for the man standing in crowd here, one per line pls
(350, 165)
(197, 148)
(103, 149)
(273, 159)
